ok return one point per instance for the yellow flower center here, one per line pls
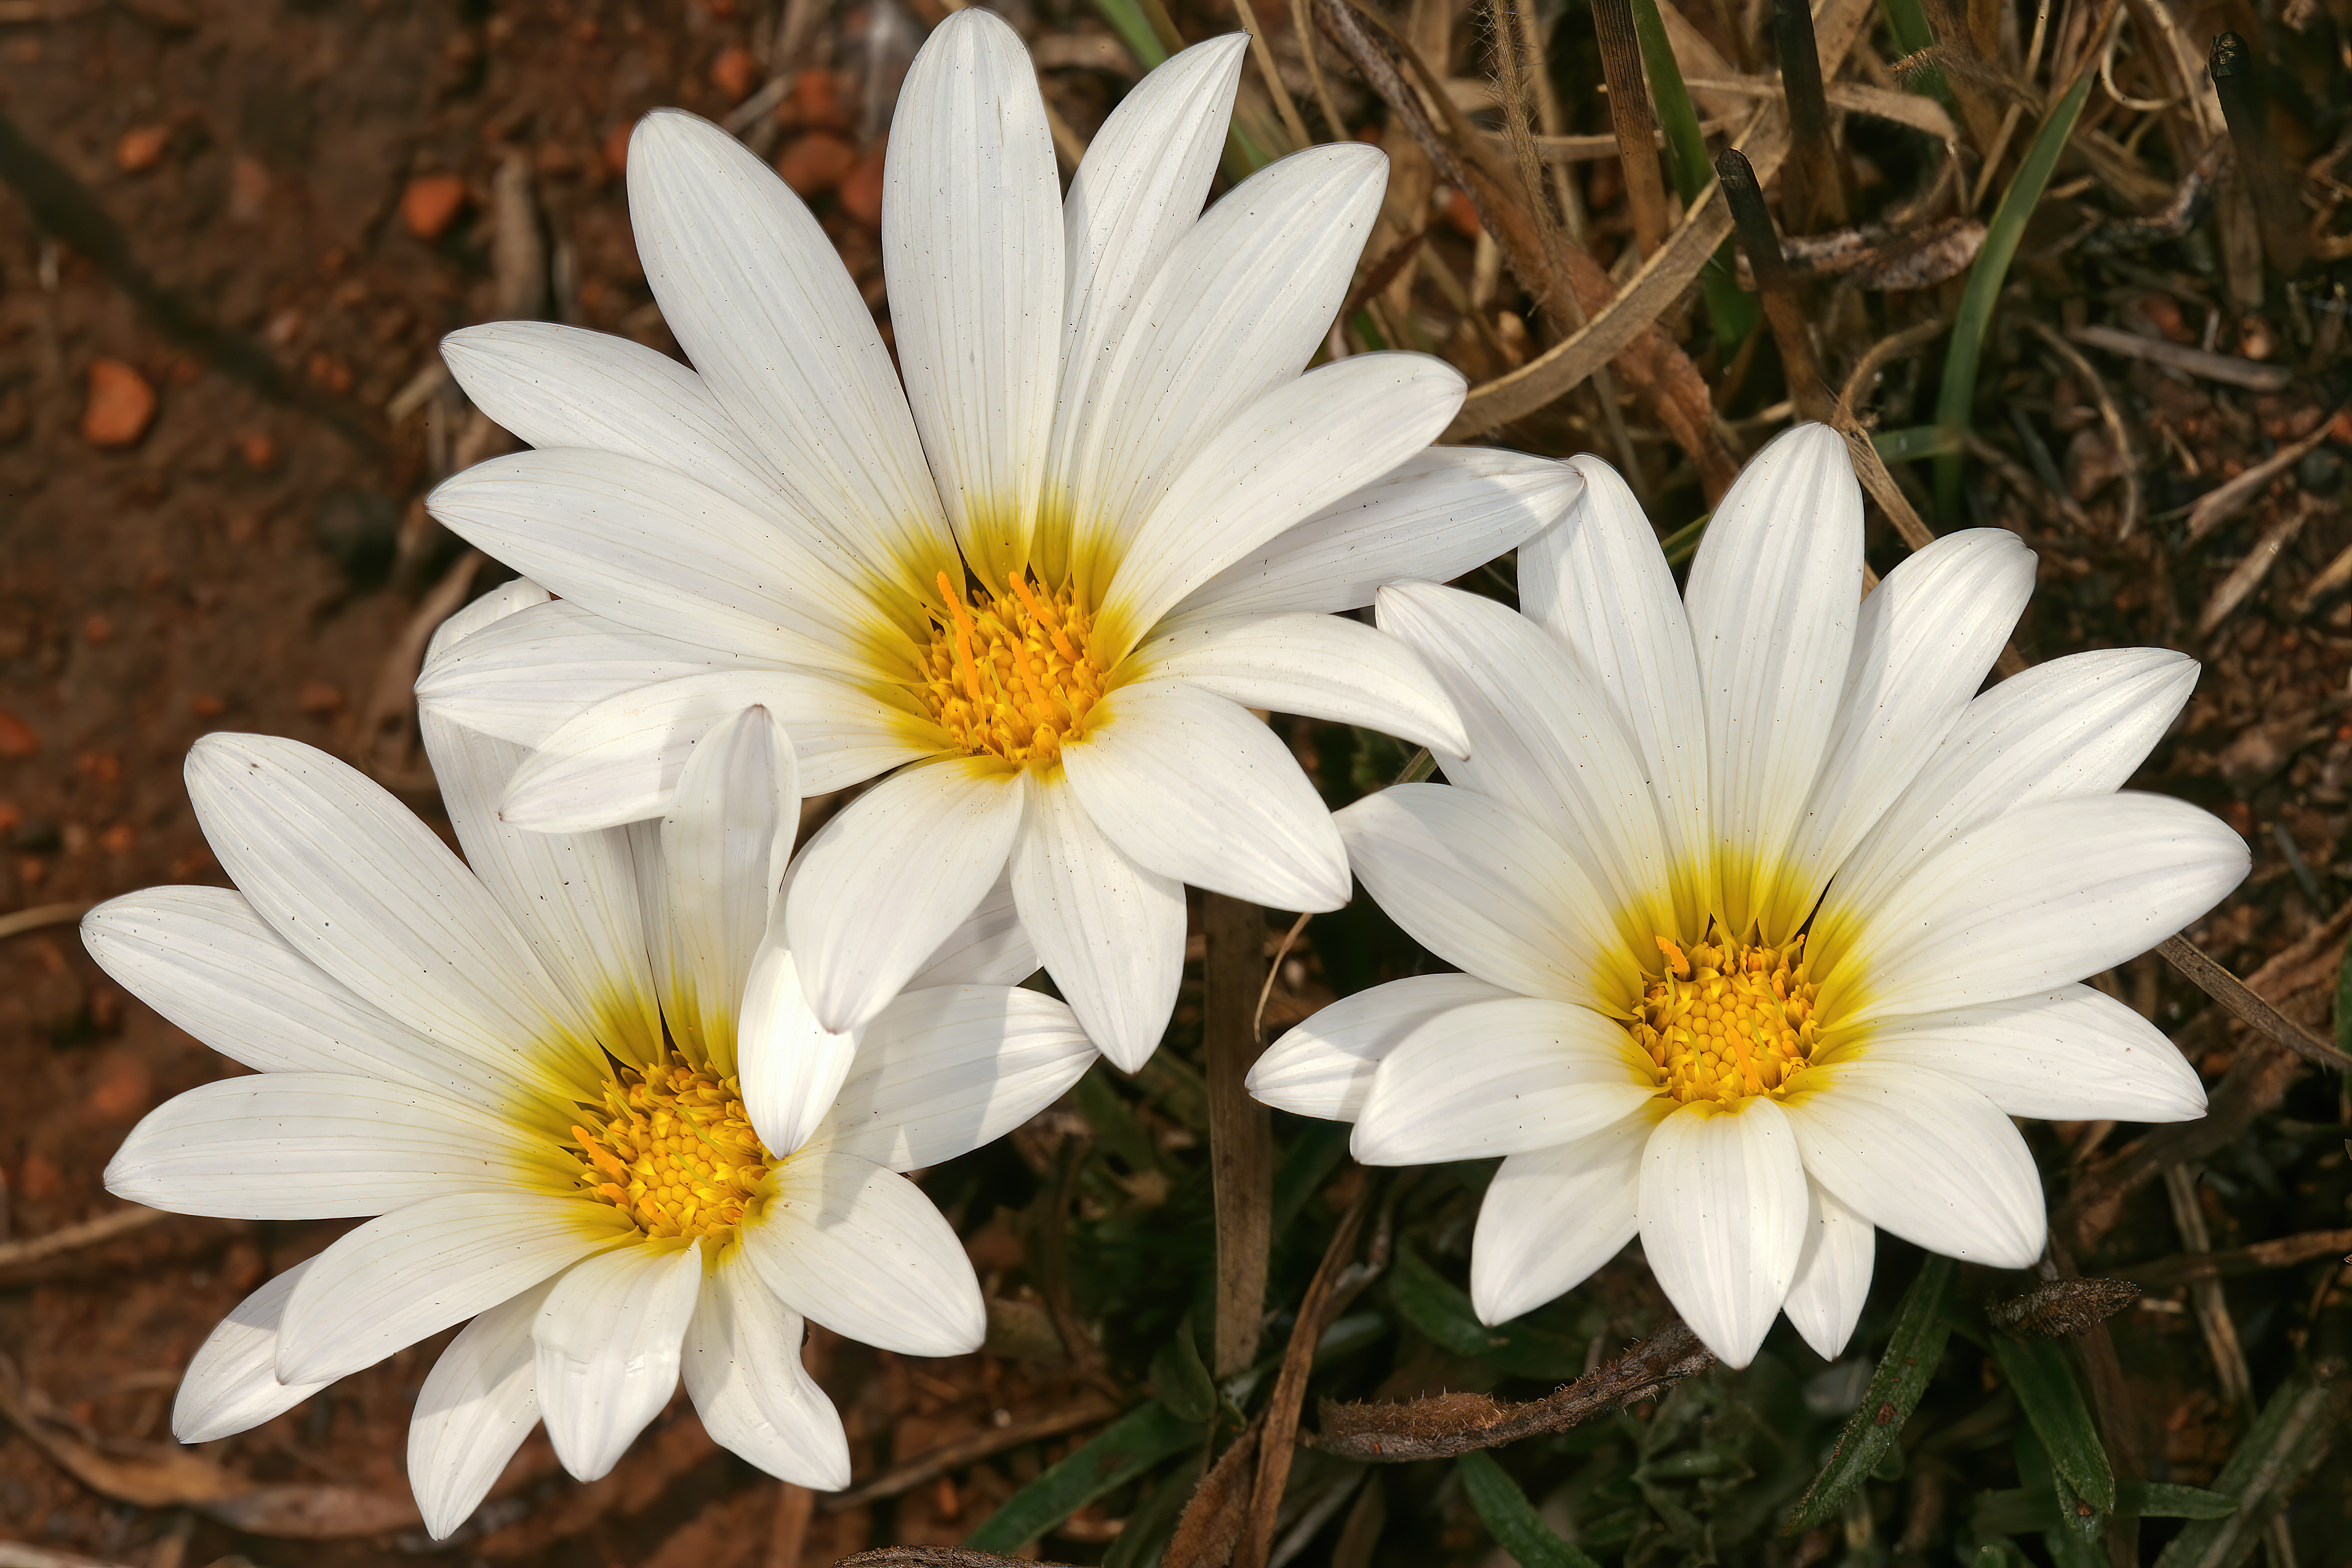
(1010, 677)
(675, 1151)
(1729, 1019)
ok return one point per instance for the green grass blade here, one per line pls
(2002, 235)
(1134, 29)
(1117, 1455)
(1920, 1332)
(2044, 1381)
(1732, 313)
(1435, 1306)
(1517, 1528)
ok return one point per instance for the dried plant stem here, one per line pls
(1302, 17)
(1782, 313)
(1241, 1131)
(1814, 195)
(1274, 84)
(1086, 1410)
(1630, 116)
(73, 1237)
(2248, 1007)
(2213, 1310)
(2283, 1252)
(2126, 458)
(40, 915)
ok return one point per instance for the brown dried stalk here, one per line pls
(1633, 119)
(1782, 311)
(1241, 1131)
(2250, 1009)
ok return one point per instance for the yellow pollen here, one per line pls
(1727, 1019)
(1010, 676)
(675, 1151)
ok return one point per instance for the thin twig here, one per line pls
(73, 1237)
(932, 1463)
(2127, 460)
(1274, 84)
(2223, 502)
(2282, 1252)
(41, 915)
(1302, 17)
(1241, 1132)
(1281, 952)
(2250, 1009)
(2247, 574)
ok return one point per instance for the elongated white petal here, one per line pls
(517, 595)
(1276, 462)
(1552, 1216)
(1922, 1156)
(1832, 1274)
(320, 1146)
(1192, 787)
(943, 1071)
(1500, 1078)
(1109, 931)
(2040, 896)
(1234, 313)
(2069, 1054)
(883, 884)
(1324, 1067)
(362, 888)
(1774, 597)
(1928, 634)
(792, 1066)
(232, 1382)
(1321, 666)
(742, 1368)
(478, 1405)
(533, 672)
(558, 386)
(1438, 515)
(607, 1340)
(990, 948)
(861, 1250)
(1542, 737)
(2076, 726)
(620, 761)
(1723, 1219)
(1481, 886)
(969, 176)
(205, 960)
(415, 1271)
(1597, 581)
(725, 843)
(762, 306)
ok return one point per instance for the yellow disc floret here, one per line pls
(1728, 1019)
(675, 1151)
(1010, 676)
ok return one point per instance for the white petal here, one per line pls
(971, 249)
(1928, 634)
(1832, 1274)
(2076, 726)
(882, 885)
(792, 1066)
(1277, 462)
(1551, 1216)
(861, 1250)
(725, 843)
(1109, 931)
(1325, 667)
(527, 677)
(207, 961)
(558, 386)
(1324, 1067)
(2069, 1054)
(1543, 737)
(1922, 1156)
(1723, 1219)
(1191, 786)
(1597, 582)
(363, 889)
(477, 615)
(620, 760)
(415, 1271)
(1501, 1078)
(320, 1146)
(1437, 516)
(762, 306)
(990, 948)
(941, 1071)
(232, 1382)
(2041, 897)
(479, 1403)
(607, 1343)
(1481, 886)
(1774, 595)
(742, 1368)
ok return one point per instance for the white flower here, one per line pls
(1767, 923)
(1104, 516)
(478, 1057)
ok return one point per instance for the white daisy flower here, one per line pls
(1104, 516)
(1768, 923)
(538, 1074)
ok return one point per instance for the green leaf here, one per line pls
(1683, 543)
(2052, 1401)
(1134, 29)
(1915, 442)
(1732, 313)
(1901, 1377)
(1517, 1528)
(1955, 404)
(2168, 1499)
(1179, 1378)
(1440, 1310)
(1114, 1455)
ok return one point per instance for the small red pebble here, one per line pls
(17, 737)
(142, 148)
(431, 204)
(319, 700)
(121, 404)
(735, 73)
(260, 452)
(861, 189)
(816, 162)
(97, 630)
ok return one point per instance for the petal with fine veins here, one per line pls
(1325, 667)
